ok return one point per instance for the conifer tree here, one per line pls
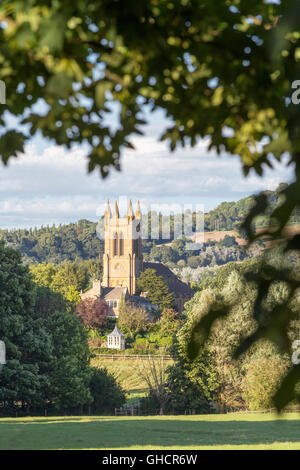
(156, 288)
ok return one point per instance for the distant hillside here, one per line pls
(71, 242)
(218, 236)
(229, 215)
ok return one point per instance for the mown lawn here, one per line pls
(230, 431)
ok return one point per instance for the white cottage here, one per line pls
(116, 340)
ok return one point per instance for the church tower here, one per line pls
(122, 259)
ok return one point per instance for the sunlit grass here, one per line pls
(230, 431)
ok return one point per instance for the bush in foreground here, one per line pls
(106, 392)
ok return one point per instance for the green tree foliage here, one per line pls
(47, 352)
(21, 378)
(72, 242)
(156, 288)
(230, 215)
(231, 292)
(68, 371)
(169, 322)
(274, 307)
(191, 384)
(66, 278)
(71, 383)
(132, 320)
(262, 377)
(228, 241)
(177, 59)
(107, 394)
(219, 277)
(164, 254)
(57, 279)
(185, 385)
(178, 245)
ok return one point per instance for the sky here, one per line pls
(49, 184)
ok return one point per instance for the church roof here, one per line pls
(178, 287)
(116, 332)
(175, 285)
(139, 299)
(113, 293)
(161, 269)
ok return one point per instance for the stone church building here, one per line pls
(123, 264)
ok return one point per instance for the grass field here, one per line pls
(127, 374)
(218, 235)
(230, 431)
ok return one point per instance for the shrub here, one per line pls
(169, 321)
(149, 405)
(94, 343)
(261, 381)
(92, 312)
(132, 320)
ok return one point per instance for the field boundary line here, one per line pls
(139, 357)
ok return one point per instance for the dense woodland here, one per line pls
(215, 381)
(48, 358)
(71, 242)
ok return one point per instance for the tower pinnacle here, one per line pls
(116, 214)
(138, 213)
(130, 210)
(107, 213)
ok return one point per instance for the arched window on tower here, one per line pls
(115, 245)
(121, 251)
